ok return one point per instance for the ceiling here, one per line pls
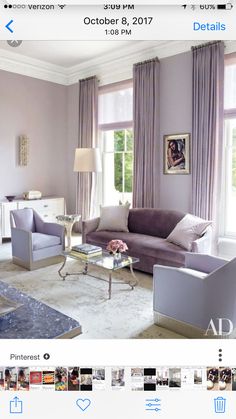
(67, 53)
(66, 62)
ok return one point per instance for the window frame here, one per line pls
(114, 126)
(229, 114)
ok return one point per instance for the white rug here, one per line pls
(129, 313)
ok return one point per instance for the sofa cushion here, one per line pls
(190, 228)
(114, 218)
(153, 222)
(41, 241)
(140, 244)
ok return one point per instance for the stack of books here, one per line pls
(86, 251)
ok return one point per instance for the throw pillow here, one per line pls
(114, 218)
(189, 229)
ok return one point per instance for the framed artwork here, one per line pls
(176, 156)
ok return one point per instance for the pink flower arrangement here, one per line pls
(117, 246)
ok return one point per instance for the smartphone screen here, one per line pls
(117, 209)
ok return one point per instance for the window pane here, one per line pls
(108, 141)
(116, 106)
(129, 140)
(234, 161)
(230, 87)
(118, 164)
(117, 174)
(119, 137)
(230, 171)
(128, 172)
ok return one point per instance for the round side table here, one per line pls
(68, 221)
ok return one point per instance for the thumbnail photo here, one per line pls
(117, 378)
(10, 379)
(61, 379)
(73, 379)
(137, 379)
(109, 221)
(23, 378)
(86, 379)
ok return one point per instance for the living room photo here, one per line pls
(117, 189)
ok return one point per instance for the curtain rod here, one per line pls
(205, 45)
(152, 60)
(89, 78)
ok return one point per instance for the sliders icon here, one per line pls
(153, 404)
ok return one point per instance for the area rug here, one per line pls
(156, 332)
(129, 313)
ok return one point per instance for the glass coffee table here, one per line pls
(108, 263)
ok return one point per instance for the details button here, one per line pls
(209, 26)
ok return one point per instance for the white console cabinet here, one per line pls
(47, 208)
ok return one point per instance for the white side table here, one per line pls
(68, 221)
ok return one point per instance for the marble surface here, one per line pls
(33, 319)
(6, 305)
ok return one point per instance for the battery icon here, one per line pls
(227, 6)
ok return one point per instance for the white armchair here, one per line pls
(187, 299)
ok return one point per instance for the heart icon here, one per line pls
(83, 404)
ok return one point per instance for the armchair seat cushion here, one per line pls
(40, 241)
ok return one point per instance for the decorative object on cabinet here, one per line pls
(32, 195)
(48, 208)
(35, 243)
(10, 198)
(23, 150)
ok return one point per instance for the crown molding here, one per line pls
(31, 67)
(109, 68)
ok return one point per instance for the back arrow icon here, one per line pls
(8, 26)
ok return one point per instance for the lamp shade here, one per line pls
(87, 160)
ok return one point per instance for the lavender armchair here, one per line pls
(187, 299)
(35, 243)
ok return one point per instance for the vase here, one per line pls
(117, 256)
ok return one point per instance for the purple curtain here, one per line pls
(88, 128)
(146, 134)
(207, 130)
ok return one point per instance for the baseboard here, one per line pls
(31, 266)
(186, 329)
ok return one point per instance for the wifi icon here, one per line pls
(61, 6)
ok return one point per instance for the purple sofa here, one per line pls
(146, 239)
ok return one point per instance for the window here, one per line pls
(116, 139)
(230, 151)
(230, 177)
